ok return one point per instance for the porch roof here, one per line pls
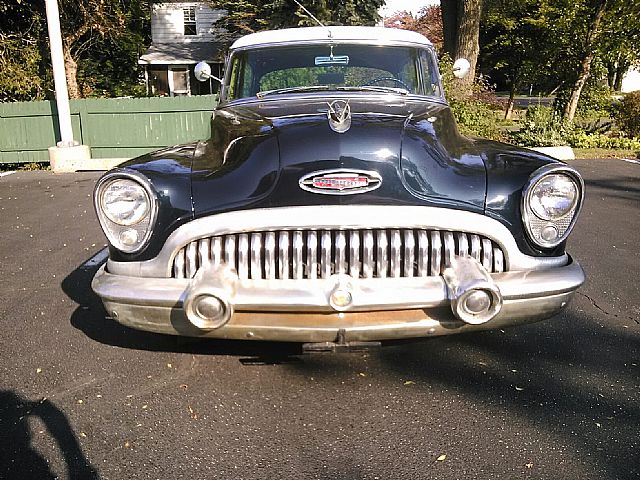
(182, 53)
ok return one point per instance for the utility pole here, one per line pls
(67, 155)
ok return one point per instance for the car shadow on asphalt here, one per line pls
(91, 318)
(18, 457)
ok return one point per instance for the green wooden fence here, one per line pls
(113, 127)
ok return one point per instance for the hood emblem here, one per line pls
(339, 115)
(340, 181)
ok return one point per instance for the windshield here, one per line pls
(292, 69)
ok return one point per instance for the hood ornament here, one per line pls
(339, 115)
(340, 181)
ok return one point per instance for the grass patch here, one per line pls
(587, 153)
(6, 167)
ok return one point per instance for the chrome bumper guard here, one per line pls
(218, 304)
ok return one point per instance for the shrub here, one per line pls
(628, 114)
(475, 113)
(542, 127)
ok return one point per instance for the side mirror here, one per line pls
(461, 68)
(202, 72)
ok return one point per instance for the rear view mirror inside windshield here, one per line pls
(333, 60)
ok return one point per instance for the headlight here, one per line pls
(551, 201)
(126, 208)
(125, 202)
(553, 196)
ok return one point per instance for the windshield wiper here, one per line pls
(308, 88)
(371, 88)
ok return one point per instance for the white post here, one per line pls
(59, 77)
(67, 155)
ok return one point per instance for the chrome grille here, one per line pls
(312, 254)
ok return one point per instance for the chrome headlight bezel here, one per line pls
(141, 229)
(534, 224)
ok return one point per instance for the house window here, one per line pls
(189, 14)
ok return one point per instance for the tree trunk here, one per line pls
(512, 96)
(585, 68)
(71, 71)
(449, 10)
(621, 70)
(467, 42)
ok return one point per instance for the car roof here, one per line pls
(377, 35)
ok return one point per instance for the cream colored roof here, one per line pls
(312, 34)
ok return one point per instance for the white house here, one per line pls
(631, 80)
(182, 34)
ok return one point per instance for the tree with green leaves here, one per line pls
(244, 17)
(102, 40)
(428, 22)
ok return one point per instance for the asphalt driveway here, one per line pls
(82, 397)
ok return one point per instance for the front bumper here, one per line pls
(382, 309)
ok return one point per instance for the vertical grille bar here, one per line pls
(230, 250)
(423, 253)
(256, 256)
(243, 256)
(354, 254)
(298, 247)
(498, 260)
(192, 258)
(216, 251)
(382, 255)
(367, 254)
(283, 255)
(312, 254)
(436, 253)
(396, 252)
(341, 252)
(409, 252)
(178, 264)
(325, 254)
(475, 247)
(270, 255)
(463, 244)
(487, 254)
(204, 251)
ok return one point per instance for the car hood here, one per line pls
(259, 151)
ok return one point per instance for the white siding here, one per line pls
(167, 24)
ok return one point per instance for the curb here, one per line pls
(559, 153)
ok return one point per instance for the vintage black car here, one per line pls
(336, 202)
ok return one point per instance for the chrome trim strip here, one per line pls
(337, 217)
